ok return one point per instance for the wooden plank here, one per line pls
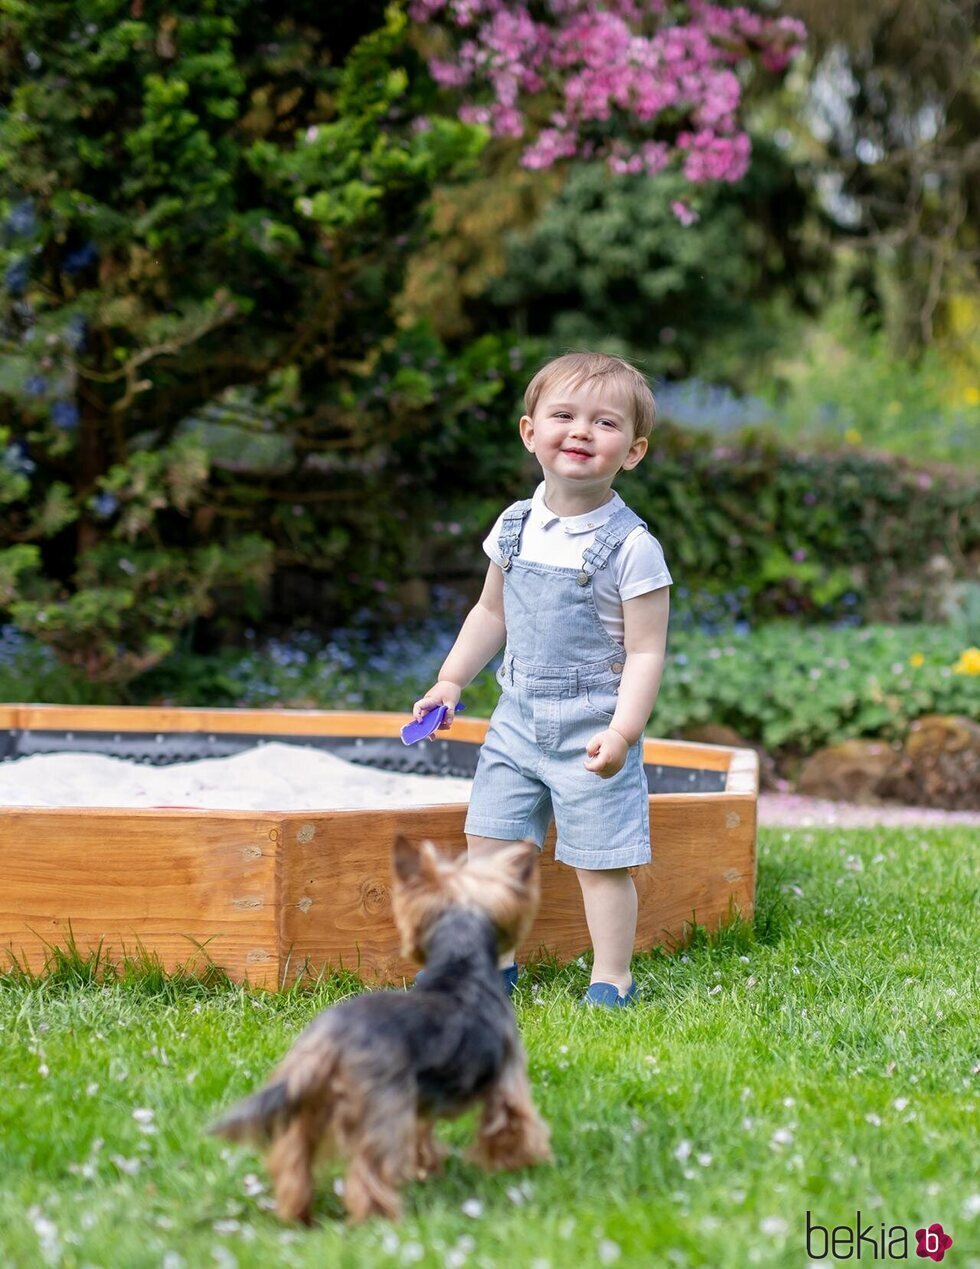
(685, 753)
(335, 889)
(159, 879)
(124, 718)
(271, 893)
(743, 772)
(703, 869)
(299, 722)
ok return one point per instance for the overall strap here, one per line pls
(608, 538)
(509, 541)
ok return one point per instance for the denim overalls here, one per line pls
(559, 680)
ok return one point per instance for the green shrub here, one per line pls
(203, 211)
(751, 529)
(790, 689)
(839, 381)
(795, 690)
(826, 535)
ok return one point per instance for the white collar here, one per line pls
(545, 518)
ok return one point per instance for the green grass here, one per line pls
(824, 1060)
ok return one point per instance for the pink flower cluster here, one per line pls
(619, 79)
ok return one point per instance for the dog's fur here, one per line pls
(368, 1077)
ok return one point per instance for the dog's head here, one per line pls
(505, 886)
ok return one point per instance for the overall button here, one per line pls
(617, 667)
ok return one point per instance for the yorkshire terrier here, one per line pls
(368, 1077)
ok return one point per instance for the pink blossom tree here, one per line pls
(641, 83)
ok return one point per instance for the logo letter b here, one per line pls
(811, 1251)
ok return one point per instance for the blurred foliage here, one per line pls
(818, 535)
(467, 248)
(752, 528)
(814, 535)
(200, 209)
(890, 91)
(795, 692)
(606, 263)
(838, 381)
(791, 690)
(266, 334)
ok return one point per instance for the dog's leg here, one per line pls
(382, 1154)
(290, 1164)
(429, 1153)
(512, 1134)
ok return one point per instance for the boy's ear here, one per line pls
(637, 450)
(526, 427)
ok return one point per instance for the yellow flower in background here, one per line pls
(969, 662)
(852, 436)
(894, 407)
(972, 396)
(917, 659)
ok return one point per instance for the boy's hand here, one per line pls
(607, 752)
(441, 693)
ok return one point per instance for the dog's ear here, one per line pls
(413, 862)
(522, 860)
(405, 859)
(430, 859)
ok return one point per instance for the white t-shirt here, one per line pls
(636, 567)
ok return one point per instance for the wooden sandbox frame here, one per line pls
(270, 895)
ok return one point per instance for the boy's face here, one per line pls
(583, 435)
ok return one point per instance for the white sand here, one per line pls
(278, 777)
(271, 777)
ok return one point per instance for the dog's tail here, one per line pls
(303, 1078)
(255, 1118)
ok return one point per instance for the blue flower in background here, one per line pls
(81, 258)
(36, 386)
(21, 222)
(105, 505)
(17, 459)
(17, 277)
(694, 403)
(64, 414)
(76, 331)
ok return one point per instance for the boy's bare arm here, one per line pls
(481, 637)
(645, 640)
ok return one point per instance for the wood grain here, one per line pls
(336, 876)
(298, 722)
(272, 895)
(164, 881)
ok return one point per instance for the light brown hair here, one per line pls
(577, 368)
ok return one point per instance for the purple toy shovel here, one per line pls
(413, 731)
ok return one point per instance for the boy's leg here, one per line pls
(479, 848)
(609, 896)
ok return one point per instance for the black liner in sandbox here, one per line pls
(384, 753)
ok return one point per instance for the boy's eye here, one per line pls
(607, 423)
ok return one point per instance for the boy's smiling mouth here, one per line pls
(577, 453)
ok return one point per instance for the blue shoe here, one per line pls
(508, 977)
(607, 995)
